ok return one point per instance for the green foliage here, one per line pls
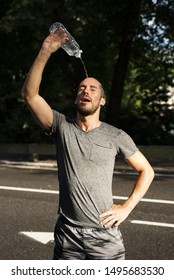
(97, 27)
(146, 113)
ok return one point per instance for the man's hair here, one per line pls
(102, 91)
(100, 86)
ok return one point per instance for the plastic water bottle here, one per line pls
(71, 47)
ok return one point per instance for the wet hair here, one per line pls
(100, 86)
(102, 90)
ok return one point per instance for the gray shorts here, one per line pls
(77, 243)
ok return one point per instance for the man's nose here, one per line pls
(86, 90)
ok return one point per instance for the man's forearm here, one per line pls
(50, 45)
(34, 77)
(141, 186)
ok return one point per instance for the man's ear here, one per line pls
(102, 101)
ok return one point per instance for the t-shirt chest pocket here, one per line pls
(102, 153)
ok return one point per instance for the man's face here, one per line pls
(89, 97)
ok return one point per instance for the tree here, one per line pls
(146, 114)
(134, 67)
(129, 31)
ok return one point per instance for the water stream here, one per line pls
(84, 67)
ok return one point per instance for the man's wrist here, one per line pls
(129, 205)
(45, 53)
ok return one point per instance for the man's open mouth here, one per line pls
(85, 99)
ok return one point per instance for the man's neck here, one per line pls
(87, 123)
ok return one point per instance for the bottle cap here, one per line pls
(55, 26)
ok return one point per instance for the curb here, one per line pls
(26, 164)
(52, 165)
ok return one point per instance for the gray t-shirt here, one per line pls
(85, 168)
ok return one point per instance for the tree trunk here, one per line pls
(129, 30)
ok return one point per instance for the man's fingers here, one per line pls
(105, 214)
(117, 223)
(109, 221)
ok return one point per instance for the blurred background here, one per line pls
(127, 45)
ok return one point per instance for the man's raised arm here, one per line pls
(40, 109)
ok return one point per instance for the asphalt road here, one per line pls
(29, 211)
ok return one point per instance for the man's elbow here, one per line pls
(149, 172)
(25, 94)
(152, 173)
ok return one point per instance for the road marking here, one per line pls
(15, 165)
(57, 192)
(42, 237)
(28, 190)
(152, 223)
(146, 200)
(46, 237)
(168, 175)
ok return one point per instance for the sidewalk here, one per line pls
(120, 166)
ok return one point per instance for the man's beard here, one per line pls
(86, 112)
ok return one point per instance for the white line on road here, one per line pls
(147, 200)
(57, 192)
(42, 237)
(28, 190)
(152, 223)
(168, 175)
(46, 237)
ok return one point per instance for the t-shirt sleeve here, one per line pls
(127, 146)
(57, 120)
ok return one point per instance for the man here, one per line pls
(87, 227)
